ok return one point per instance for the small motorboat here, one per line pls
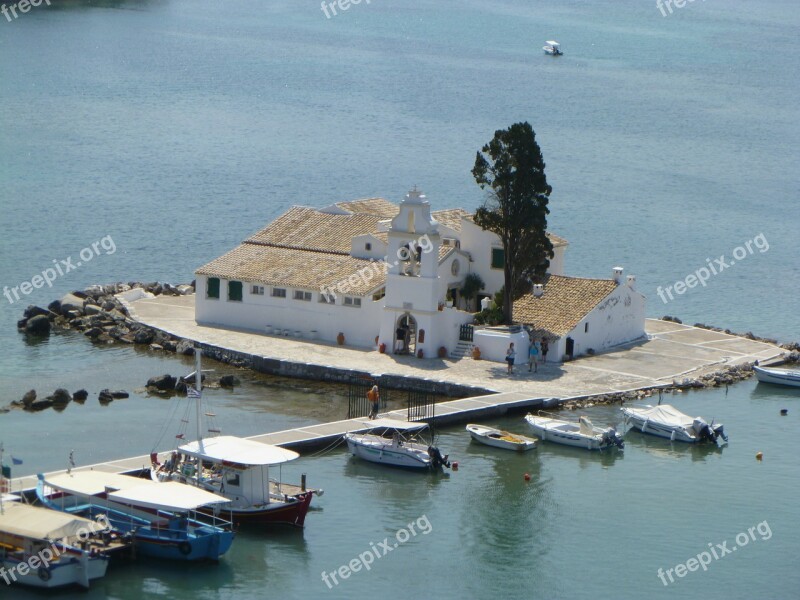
(778, 376)
(46, 549)
(501, 439)
(552, 48)
(667, 421)
(405, 448)
(581, 434)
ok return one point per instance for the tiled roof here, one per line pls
(309, 229)
(565, 301)
(293, 268)
(554, 239)
(378, 207)
(450, 217)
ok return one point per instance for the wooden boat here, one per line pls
(500, 439)
(580, 435)
(777, 376)
(47, 549)
(161, 517)
(667, 421)
(237, 469)
(405, 448)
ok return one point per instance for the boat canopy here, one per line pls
(552, 43)
(170, 496)
(34, 522)
(664, 413)
(394, 424)
(241, 451)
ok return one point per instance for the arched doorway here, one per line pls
(405, 336)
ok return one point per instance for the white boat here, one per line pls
(405, 447)
(581, 434)
(552, 48)
(237, 469)
(47, 549)
(500, 439)
(778, 376)
(668, 422)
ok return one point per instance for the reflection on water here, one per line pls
(636, 440)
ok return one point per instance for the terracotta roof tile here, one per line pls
(378, 207)
(291, 268)
(450, 217)
(565, 301)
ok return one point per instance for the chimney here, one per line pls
(538, 290)
(631, 279)
(617, 276)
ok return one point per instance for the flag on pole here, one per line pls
(16, 461)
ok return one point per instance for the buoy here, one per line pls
(527, 476)
(759, 455)
(784, 412)
(455, 465)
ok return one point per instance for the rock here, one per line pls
(156, 347)
(170, 345)
(39, 405)
(143, 336)
(29, 398)
(33, 311)
(228, 381)
(185, 289)
(71, 302)
(162, 382)
(109, 305)
(38, 325)
(55, 307)
(185, 347)
(80, 396)
(93, 333)
(60, 396)
(117, 394)
(92, 309)
(180, 387)
(105, 397)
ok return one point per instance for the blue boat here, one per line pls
(163, 518)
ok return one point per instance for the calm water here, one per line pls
(178, 128)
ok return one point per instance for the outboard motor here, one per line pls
(610, 436)
(437, 460)
(719, 430)
(704, 432)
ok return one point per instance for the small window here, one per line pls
(257, 290)
(367, 246)
(301, 295)
(232, 479)
(586, 328)
(278, 293)
(327, 298)
(212, 289)
(498, 258)
(351, 301)
(379, 294)
(235, 291)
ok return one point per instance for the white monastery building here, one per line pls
(370, 273)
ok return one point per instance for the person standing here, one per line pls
(401, 339)
(375, 400)
(533, 356)
(510, 358)
(545, 348)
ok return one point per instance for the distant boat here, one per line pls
(778, 376)
(552, 48)
(581, 434)
(667, 421)
(501, 439)
(404, 449)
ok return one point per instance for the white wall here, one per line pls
(493, 344)
(479, 243)
(359, 325)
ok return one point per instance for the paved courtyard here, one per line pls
(671, 351)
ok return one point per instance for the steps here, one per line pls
(462, 350)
